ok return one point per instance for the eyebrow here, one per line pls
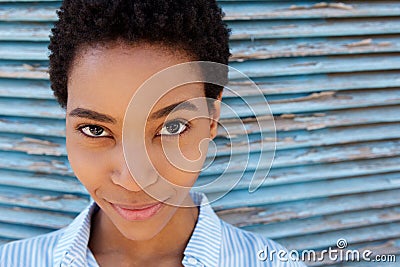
(183, 105)
(92, 115)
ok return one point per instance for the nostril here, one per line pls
(124, 180)
(115, 173)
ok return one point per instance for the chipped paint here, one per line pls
(330, 71)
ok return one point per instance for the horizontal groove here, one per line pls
(235, 108)
(49, 182)
(315, 65)
(316, 207)
(304, 191)
(227, 164)
(284, 123)
(17, 31)
(313, 83)
(36, 218)
(302, 139)
(44, 200)
(33, 126)
(249, 50)
(25, 70)
(253, 30)
(315, 102)
(255, 10)
(331, 76)
(29, 12)
(33, 146)
(303, 156)
(253, 69)
(327, 223)
(305, 47)
(288, 122)
(242, 30)
(353, 236)
(24, 88)
(45, 11)
(32, 108)
(34, 163)
(19, 231)
(24, 51)
(301, 174)
(231, 146)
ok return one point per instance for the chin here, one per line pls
(141, 235)
(142, 232)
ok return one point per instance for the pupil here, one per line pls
(96, 130)
(172, 127)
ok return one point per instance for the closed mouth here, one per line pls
(137, 212)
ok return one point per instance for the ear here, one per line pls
(215, 116)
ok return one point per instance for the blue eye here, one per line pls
(173, 128)
(94, 131)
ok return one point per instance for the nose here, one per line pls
(120, 173)
(122, 177)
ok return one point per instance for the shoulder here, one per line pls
(35, 251)
(244, 248)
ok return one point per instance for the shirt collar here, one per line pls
(205, 243)
(72, 245)
(71, 248)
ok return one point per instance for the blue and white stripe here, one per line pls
(213, 243)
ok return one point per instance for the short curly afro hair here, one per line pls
(195, 27)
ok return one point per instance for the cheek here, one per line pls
(86, 164)
(188, 146)
(194, 146)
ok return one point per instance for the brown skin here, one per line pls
(103, 79)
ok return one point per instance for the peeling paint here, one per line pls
(330, 71)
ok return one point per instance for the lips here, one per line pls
(137, 212)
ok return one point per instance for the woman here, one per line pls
(102, 52)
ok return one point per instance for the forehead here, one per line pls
(105, 78)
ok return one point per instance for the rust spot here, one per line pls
(287, 116)
(313, 96)
(384, 44)
(285, 26)
(323, 5)
(344, 97)
(340, 6)
(238, 210)
(39, 142)
(305, 64)
(316, 127)
(295, 7)
(364, 42)
(53, 198)
(49, 198)
(69, 196)
(28, 67)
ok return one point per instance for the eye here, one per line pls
(94, 131)
(173, 128)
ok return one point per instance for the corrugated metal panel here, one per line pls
(331, 73)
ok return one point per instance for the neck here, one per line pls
(170, 242)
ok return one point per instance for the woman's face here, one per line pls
(101, 83)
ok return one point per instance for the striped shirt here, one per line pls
(213, 243)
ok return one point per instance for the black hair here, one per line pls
(193, 26)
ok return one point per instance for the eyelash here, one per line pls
(81, 127)
(184, 122)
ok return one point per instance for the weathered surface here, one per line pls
(330, 72)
